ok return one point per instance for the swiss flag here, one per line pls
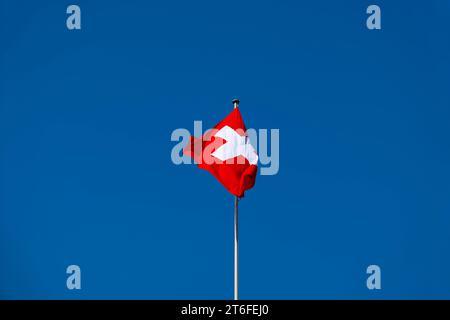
(225, 151)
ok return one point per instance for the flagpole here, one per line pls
(236, 247)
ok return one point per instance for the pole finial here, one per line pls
(236, 103)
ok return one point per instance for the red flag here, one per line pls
(225, 151)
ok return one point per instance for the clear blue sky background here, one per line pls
(86, 174)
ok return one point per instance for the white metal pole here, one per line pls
(236, 247)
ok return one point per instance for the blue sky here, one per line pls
(86, 174)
